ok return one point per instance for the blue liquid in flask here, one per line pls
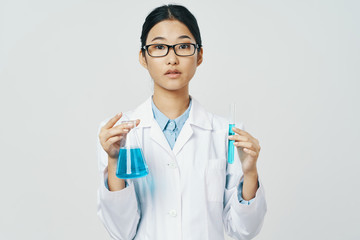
(137, 168)
(231, 145)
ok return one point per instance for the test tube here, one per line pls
(231, 132)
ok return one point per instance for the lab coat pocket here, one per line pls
(215, 176)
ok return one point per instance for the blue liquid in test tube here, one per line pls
(231, 145)
(231, 132)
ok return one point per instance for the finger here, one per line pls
(238, 137)
(241, 132)
(137, 122)
(251, 152)
(248, 135)
(131, 124)
(127, 125)
(118, 131)
(112, 121)
(113, 140)
(248, 145)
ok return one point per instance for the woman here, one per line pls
(191, 192)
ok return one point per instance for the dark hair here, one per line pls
(170, 12)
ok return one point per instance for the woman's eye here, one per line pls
(160, 47)
(184, 46)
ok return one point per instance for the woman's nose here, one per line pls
(172, 58)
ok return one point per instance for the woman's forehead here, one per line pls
(169, 30)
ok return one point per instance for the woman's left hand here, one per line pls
(248, 149)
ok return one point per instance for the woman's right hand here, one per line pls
(111, 137)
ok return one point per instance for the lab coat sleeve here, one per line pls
(241, 200)
(242, 221)
(119, 210)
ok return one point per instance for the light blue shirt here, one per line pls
(171, 128)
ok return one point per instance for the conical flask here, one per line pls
(131, 161)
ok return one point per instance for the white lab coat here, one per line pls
(190, 192)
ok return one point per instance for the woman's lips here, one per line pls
(173, 75)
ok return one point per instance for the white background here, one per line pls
(291, 66)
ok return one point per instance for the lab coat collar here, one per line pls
(198, 116)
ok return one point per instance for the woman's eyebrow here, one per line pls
(184, 36)
(162, 38)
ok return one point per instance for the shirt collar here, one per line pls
(163, 120)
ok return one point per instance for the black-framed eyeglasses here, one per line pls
(180, 49)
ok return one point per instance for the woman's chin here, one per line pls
(174, 86)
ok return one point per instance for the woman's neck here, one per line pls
(171, 104)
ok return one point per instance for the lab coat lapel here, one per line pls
(197, 117)
(185, 134)
(145, 114)
(158, 136)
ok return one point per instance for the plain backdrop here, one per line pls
(292, 68)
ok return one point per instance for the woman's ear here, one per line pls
(142, 59)
(200, 57)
